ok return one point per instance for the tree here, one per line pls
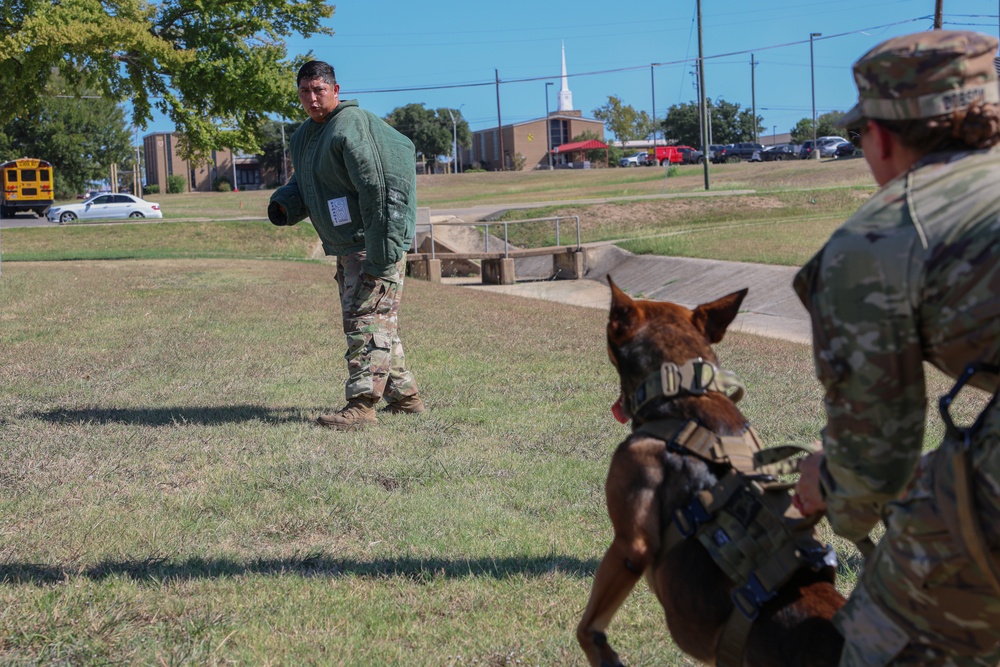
(729, 123)
(214, 68)
(81, 134)
(272, 149)
(624, 121)
(803, 130)
(429, 130)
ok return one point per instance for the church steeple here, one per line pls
(565, 96)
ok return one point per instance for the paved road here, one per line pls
(24, 220)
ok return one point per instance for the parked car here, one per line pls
(718, 153)
(827, 145)
(742, 151)
(105, 207)
(778, 153)
(691, 155)
(634, 160)
(845, 149)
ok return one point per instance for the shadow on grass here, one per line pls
(177, 415)
(158, 570)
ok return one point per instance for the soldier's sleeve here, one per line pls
(868, 358)
(289, 197)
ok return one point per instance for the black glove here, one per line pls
(276, 214)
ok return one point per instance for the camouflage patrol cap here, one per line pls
(923, 75)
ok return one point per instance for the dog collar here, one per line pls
(694, 377)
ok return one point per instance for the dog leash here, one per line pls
(965, 528)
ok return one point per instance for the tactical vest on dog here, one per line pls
(746, 521)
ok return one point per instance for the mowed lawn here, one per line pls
(167, 500)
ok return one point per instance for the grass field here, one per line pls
(166, 499)
(791, 209)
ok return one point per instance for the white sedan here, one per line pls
(105, 207)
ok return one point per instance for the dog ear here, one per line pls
(625, 315)
(713, 318)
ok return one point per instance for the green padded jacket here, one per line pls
(355, 179)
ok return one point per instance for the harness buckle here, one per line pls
(749, 599)
(698, 384)
(670, 379)
(954, 431)
(819, 557)
(690, 517)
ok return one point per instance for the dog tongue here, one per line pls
(616, 410)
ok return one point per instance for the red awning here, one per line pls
(579, 146)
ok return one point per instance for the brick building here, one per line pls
(162, 161)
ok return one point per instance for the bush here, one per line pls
(222, 184)
(517, 162)
(151, 189)
(673, 170)
(176, 184)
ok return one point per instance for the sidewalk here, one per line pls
(771, 308)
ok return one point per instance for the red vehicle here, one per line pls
(666, 154)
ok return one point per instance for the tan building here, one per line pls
(162, 161)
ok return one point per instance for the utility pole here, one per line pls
(548, 126)
(701, 90)
(938, 14)
(136, 176)
(284, 159)
(753, 97)
(503, 162)
(701, 124)
(652, 87)
(812, 70)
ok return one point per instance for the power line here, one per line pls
(634, 68)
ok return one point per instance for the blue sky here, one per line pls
(382, 45)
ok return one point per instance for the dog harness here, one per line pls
(746, 521)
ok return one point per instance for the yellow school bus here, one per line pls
(27, 186)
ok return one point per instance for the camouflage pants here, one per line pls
(376, 366)
(921, 601)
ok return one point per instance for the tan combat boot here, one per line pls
(358, 413)
(410, 405)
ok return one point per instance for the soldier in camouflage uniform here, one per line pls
(355, 178)
(913, 277)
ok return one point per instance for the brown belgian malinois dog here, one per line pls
(648, 481)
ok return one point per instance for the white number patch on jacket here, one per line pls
(339, 213)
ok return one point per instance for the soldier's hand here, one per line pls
(808, 497)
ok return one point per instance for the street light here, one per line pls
(454, 135)
(812, 69)
(548, 134)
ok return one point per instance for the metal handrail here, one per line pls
(505, 224)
